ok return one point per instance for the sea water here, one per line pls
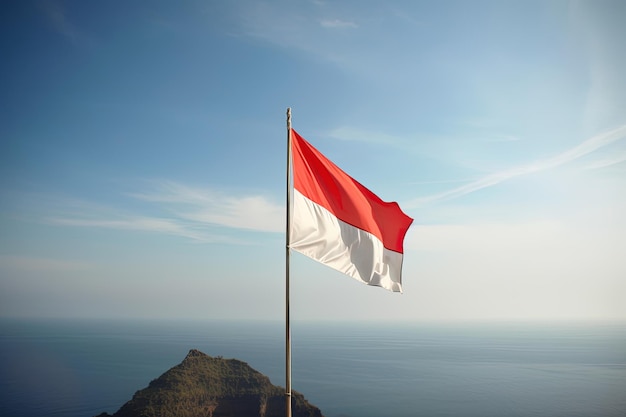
(82, 368)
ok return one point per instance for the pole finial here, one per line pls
(288, 117)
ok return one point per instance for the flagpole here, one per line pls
(288, 230)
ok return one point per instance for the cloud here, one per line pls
(438, 182)
(206, 206)
(146, 224)
(199, 214)
(600, 28)
(348, 133)
(33, 264)
(483, 237)
(307, 29)
(57, 17)
(501, 138)
(607, 162)
(338, 24)
(590, 145)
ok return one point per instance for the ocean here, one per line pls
(81, 368)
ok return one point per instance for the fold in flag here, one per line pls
(340, 223)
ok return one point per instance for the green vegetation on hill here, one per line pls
(203, 386)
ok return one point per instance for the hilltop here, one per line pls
(207, 386)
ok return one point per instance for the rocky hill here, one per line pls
(203, 386)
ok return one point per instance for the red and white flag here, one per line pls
(337, 221)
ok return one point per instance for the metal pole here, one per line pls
(288, 230)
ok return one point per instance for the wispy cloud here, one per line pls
(590, 145)
(314, 30)
(404, 16)
(599, 29)
(34, 264)
(501, 138)
(57, 17)
(136, 223)
(607, 162)
(455, 181)
(338, 24)
(202, 205)
(199, 214)
(348, 133)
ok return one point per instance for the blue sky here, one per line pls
(142, 155)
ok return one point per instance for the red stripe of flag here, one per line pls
(324, 183)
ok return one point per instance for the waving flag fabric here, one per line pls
(340, 223)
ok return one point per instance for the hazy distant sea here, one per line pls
(82, 368)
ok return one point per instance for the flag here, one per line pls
(337, 221)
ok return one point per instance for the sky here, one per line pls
(143, 155)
